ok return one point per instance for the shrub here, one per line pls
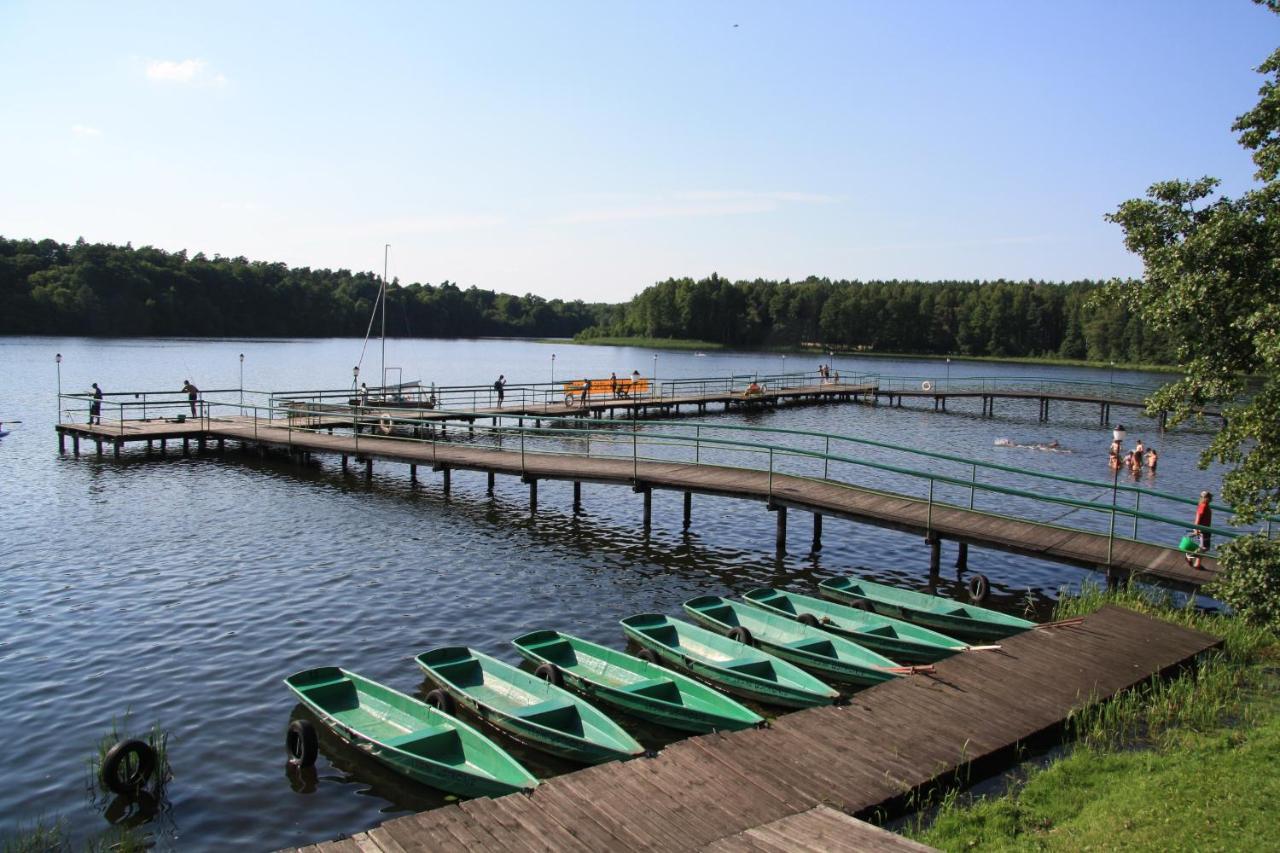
(1250, 579)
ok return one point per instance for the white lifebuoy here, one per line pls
(926, 385)
(385, 424)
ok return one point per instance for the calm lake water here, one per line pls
(182, 590)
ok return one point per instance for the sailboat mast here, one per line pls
(385, 250)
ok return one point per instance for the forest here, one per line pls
(994, 318)
(48, 287)
(84, 288)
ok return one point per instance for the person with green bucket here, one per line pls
(1196, 542)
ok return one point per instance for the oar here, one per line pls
(982, 648)
(907, 670)
(1061, 623)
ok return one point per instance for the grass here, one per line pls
(51, 837)
(156, 737)
(1186, 763)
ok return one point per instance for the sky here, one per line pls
(587, 150)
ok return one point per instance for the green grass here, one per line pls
(649, 343)
(1183, 764)
(156, 737)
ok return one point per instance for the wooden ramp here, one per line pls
(750, 789)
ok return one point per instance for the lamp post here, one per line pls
(57, 359)
(948, 373)
(242, 384)
(656, 390)
(355, 377)
(1112, 382)
(1117, 435)
(553, 371)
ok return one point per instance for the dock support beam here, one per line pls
(688, 509)
(490, 489)
(99, 443)
(115, 447)
(413, 471)
(344, 462)
(962, 556)
(186, 447)
(447, 481)
(780, 543)
(935, 555)
(648, 507)
(533, 496)
(75, 443)
(817, 532)
(577, 497)
(368, 468)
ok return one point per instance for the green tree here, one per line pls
(1212, 283)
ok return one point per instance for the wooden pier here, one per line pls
(798, 784)
(1118, 557)
(1044, 398)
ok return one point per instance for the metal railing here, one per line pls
(956, 482)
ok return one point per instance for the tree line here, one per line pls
(995, 318)
(84, 288)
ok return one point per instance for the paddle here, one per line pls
(907, 670)
(982, 648)
(1061, 623)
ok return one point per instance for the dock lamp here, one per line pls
(242, 383)
(553, 370)
(57, 359)
(1118, 435)
(355, 377)
(948, 373)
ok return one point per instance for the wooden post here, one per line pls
(344, 462)
(116, 447)
(222, 444)
(962, 556)
(817, 532)
(935, 556)
(186, 446)
(413, 471)
(200, 444)
(75, 443)
(577, 497)
(533, 496)
(688, 509)
(781, 538)
(368, 468)
(490, 490)
(648, 507)
(164, 446)
(99, 443)
(447, 482)
(62, 442)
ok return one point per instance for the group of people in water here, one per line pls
(1134, 460)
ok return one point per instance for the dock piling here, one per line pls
(489, 491)
(817, 533)
(447, 480)
(935, 555)
(648, 507)
(962, 556)
(688, 509)
(780, 544)
(413, 471)
(577, 497)
(533, 496)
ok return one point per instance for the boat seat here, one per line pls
(531, 711)
(655, 688)
(749, 666)
(420, 738)
(814, 645)
(883, 631)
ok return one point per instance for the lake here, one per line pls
(182, 590)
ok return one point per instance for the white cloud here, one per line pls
(690, 204)
(85, 130)
(185, 71)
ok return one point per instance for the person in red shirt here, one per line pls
(1204, 516)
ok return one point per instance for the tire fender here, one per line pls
(979, 588)
(742, 635)
(551, 674)
(301, 743)
(808, 619)
(442, 701)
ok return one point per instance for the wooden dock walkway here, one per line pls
(786, 787)
(1117, 556)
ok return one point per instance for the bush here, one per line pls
(1250, 579)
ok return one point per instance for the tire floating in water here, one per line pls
(979, 588)
(301, 744)
(127, 766)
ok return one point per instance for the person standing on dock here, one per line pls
(193, 394)
(1204, 517)
(498, 385)
(613, 384)
(95, 408)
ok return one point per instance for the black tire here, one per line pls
(647, 655)
(979, 588)
(127, 766)
(808, 619)
(860, 604)
(302, 744)
(742, 635)
(551, 674)
(442, 701)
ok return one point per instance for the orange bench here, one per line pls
(604, 389)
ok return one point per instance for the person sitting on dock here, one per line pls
(95, 408)
(193, 394)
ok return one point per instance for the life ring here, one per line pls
(551, 674)
(301, 744)
(385, 424)
(979, 588)
(742, 635)
(926, 385)
(442, 701)
(125, 776)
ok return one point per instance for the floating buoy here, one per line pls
(926, 385)
(301, 744)
(127, 766)
(979, 588)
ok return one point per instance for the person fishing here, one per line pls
(95, 408)
(193, 394)
(498, 385)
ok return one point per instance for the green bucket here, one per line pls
(1188, 543)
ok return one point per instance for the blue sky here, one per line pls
(586, 150)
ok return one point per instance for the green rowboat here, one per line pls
(641, 688)
(823, 654)
(965, 621)
(538, 713)
(736, 667)
(892, 638)
(409, 736)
